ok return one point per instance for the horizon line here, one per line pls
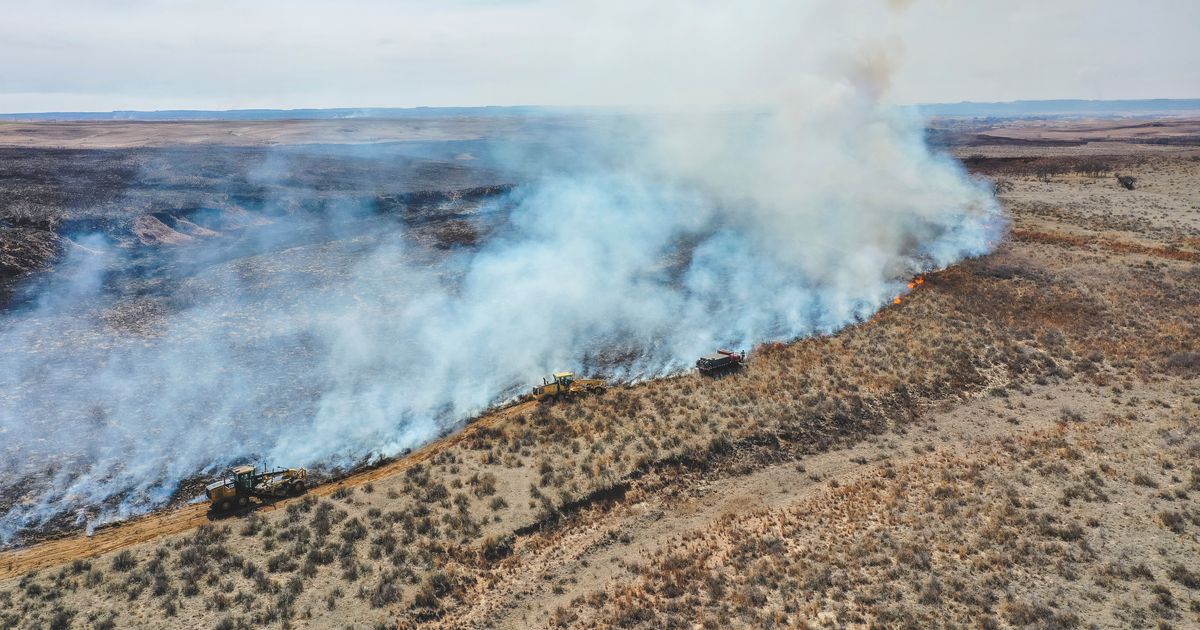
(367, 110)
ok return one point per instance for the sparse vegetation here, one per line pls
(124, 561)
(824, 485)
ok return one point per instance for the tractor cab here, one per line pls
(243, 477)
(564, 379)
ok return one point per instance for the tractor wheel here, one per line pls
(225, 505)
(598, 390)
(242, 501)
(296, 489)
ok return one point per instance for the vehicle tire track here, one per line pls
(58, 551)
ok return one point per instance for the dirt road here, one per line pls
(153, 526)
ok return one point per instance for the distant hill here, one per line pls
(1062, 108)
(965, 109)
(281, 114)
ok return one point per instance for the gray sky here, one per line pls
(219, 54)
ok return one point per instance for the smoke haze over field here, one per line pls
(632, 244)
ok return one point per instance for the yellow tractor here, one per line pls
(565, 384)
(243, 483)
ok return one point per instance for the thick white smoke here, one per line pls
(673, 239)
(638, 245)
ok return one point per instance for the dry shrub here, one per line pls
(124, 561)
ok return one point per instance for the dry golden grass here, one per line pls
(1012, 534)
(809, 488)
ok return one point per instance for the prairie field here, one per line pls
(1015, 443)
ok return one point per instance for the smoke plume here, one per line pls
(631, 244)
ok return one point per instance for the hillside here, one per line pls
(1014, 444)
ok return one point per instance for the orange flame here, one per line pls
(914, 283)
